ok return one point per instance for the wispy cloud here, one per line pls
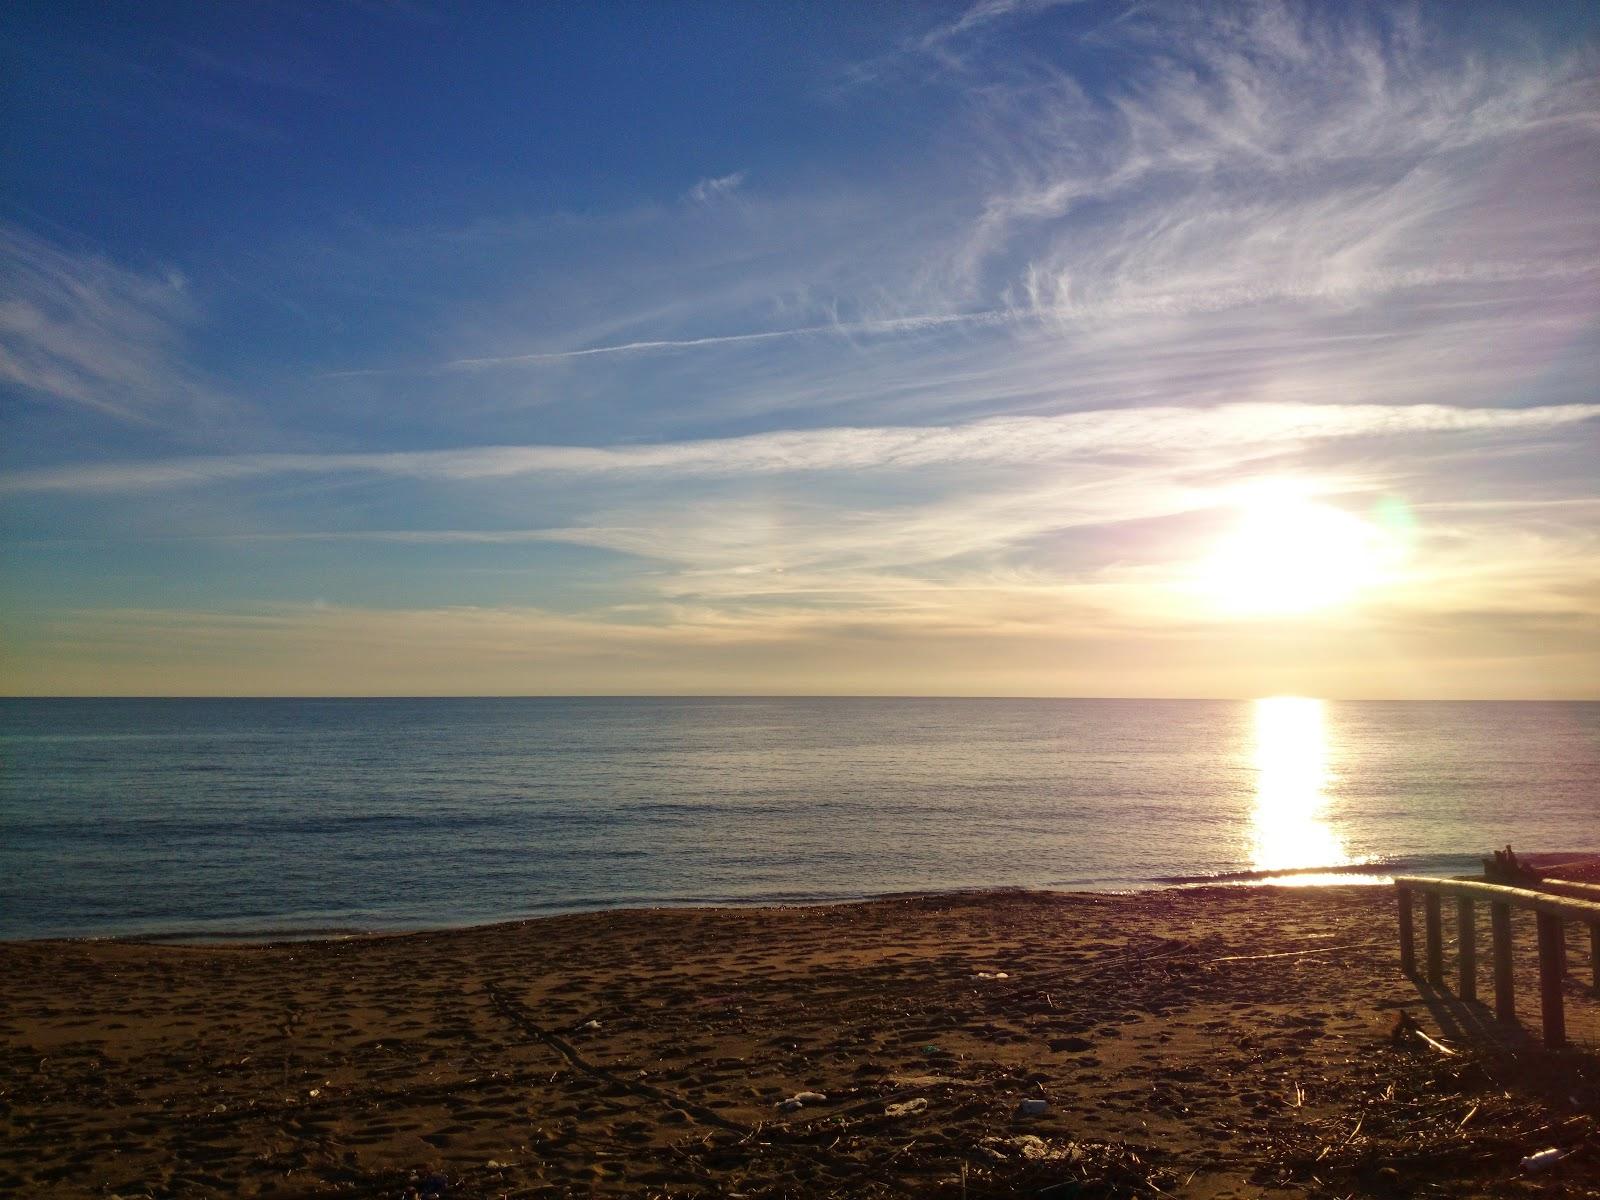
(997, 441)
(81, 331)
(1279, 150)
(948, 45)
(1002, 640)
(717, 187)
(981, 15)
(1270, 177)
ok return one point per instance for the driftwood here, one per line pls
(1406, 1029)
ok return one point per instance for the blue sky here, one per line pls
(391, 348)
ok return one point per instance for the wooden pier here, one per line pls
(1553, 904)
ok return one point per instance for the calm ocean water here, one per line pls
(203, 817)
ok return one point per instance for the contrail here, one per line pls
(887, 325)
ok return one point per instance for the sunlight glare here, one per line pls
(1289, 829)
(1292, 554)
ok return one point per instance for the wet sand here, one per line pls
(1221, 1042)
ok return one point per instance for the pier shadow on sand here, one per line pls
(1466, 1024)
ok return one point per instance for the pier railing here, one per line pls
(1553, 906)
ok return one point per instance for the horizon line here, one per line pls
(5, 696)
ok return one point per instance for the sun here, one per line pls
(1289, 553)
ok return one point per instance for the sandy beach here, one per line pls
(1221, 1042)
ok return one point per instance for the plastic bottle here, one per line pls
(1543, 1159)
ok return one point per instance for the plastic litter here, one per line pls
(991, 975)
(906, 1107)
(1032, 1106)
(1543, 1159)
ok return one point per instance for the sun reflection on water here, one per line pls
(1289, 829)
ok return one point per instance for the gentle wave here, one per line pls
(1378, 867)
(290, 932)
(182, 936)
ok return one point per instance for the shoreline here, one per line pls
(1577, 865)
(1315, 877)
(1213, 1038)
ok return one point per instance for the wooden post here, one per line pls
(1435, 934)
(1505, 1002)
(1553, 913)
(1466, 950)
(1408, 937)
(1551, 941)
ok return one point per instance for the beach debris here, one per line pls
(800, 1100)
(1465, 1116)
(1406, 1029)
(1544, 1159)
(1035, 1166)
(906, 1107)
(1036, 1148)
(1032, 1106)
(991, 975)
(590, 1025)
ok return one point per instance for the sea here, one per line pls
(249, 819)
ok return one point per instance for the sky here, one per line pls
(996, 348)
